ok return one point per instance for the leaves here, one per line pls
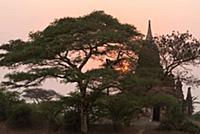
(178, 49)
(40, 95)
(63, 49)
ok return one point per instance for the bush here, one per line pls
(51, 114)
(20, 116)
(196, 116)
(72, 120)
(191, 128)
(175, 118)
(3, 111)
(7, 100)
(121, 108)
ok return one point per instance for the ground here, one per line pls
(99, 130)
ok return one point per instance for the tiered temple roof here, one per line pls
(150, 69)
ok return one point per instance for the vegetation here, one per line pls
(121, 108)
(190, 128)
(178, 50)
(64, 50)
(38, 95)
(20, 116)
(7, 100)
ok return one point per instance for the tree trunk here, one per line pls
(84, 125)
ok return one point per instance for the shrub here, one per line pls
(72, 120)
(50, 112)
(121, 108)
(176, 121)
(20, 116)
(196, 116)
(7, 99)
(175, 118)
(3, 111)
(191, 128)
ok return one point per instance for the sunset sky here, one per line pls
(19, 17)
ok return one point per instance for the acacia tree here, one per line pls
(39, 95)
(65, 48)
(177, 50)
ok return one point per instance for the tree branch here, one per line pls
(86, 59)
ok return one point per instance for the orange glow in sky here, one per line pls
(19, 17)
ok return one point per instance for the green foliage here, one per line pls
(72, 105)
(20, 116)
(39, 95)
(7, 100)
(196, 116)
(50, 112)
(176, 115)
(65, 46)
(138, 85)
(161, 99)
(121, 108)
(71, 102)
(72, 120)
(190, 128)
(63, 49)
(68, 111)
(175, 118)
(177, 49)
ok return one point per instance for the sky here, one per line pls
(19, 17)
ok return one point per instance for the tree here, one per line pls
(7, 100)
(20, 116)
(177, 50)
(65, 48)
(122, 108)
(40, 95)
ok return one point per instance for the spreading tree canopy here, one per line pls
(64, 49)
(179, 50)
(39, 95)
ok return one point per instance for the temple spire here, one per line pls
(149, 32)
(189, 102)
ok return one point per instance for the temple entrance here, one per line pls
(156, 113)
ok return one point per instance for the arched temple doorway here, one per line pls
(156, 113)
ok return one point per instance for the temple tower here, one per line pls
(149, 60)
(149, 36)
(189, 103)
(178, 90)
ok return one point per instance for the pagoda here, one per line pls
(151, 73)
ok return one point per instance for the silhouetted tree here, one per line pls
(177, 50)
(40, 95)
(64, 48)
(7, 100)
